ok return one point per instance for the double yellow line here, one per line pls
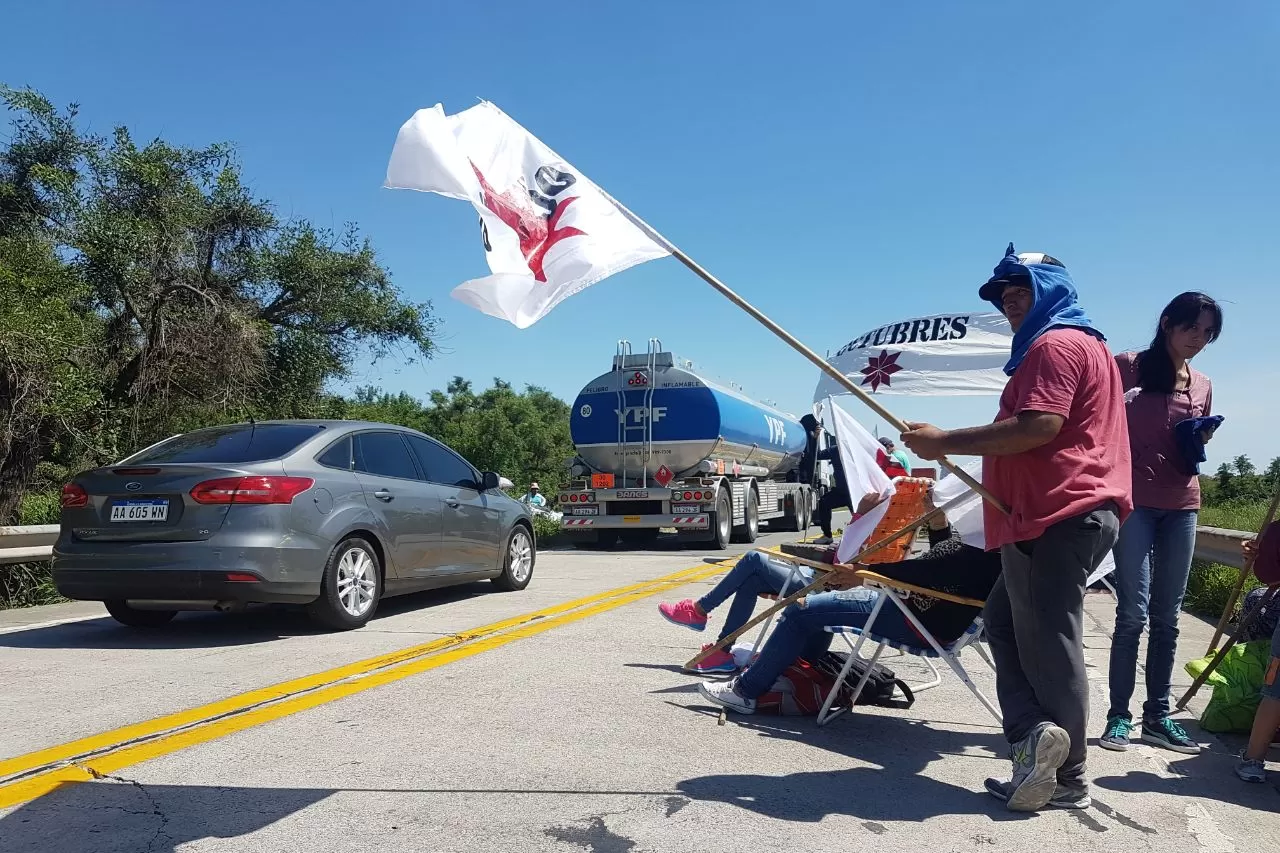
(35, 774)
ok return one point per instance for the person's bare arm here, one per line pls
(1025, 431)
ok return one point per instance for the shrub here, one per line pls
(1210, 586)
(545, 529)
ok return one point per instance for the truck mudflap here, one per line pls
(697, 521)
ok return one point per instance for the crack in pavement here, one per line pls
(156, 811)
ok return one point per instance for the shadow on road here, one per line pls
(119, 815)
(195, 630)
(894, 788)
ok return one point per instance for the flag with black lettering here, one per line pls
(548, 232)
(956, 354)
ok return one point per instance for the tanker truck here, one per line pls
(661, 448)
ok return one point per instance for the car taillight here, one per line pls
(251, 490)
(74, 496)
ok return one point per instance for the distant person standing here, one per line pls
(893, 462)
(1057, 456)
(534, 496)
(1168, 404)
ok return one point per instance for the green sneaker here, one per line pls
(1036, 759)
(1167, 734)
(1116, 736)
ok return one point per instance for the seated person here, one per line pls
(753, 575)
(951, 565)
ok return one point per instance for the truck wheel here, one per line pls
(722, 522)
(750, 529)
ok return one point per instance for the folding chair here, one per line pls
(892, 590)
(905, 505)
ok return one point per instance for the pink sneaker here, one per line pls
(683, 613)
(717, 661)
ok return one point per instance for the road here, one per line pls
(556, 719)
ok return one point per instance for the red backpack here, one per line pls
(803, 687)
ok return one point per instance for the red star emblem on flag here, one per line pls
(537, 231)
(880, 369)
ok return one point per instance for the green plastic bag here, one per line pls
(1237, 686)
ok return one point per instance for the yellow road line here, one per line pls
(99, 755)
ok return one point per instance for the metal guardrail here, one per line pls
(35, 544)
(1218, 545)
(27, 544)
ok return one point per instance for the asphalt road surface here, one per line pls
(555, 719)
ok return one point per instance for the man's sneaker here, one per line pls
(1116, 736)
(717, 661)
(1169, 735)
(1251, 769)
(683, 613)
(725, 693)
(1036, 759)
(1064, 796)
(822, 540)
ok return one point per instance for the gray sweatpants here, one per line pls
(1035, 627)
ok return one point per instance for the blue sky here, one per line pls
(842, 165)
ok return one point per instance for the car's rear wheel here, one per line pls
(135, 618)
(517, 566)
(350, 588)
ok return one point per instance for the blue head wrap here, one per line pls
(1055, 297)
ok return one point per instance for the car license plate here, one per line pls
(140, 511)
(684, 510)
(586, 510)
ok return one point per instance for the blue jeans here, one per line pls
(1153, 560)
(802, 633)
(753, 574)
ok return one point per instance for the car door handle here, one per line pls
(383, 495)
(452, 502)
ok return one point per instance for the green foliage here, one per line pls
(1209, 587)
(545, 529)
(145, 291)
(27, 585)
(522, 435)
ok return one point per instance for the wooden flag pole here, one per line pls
(1244, 577)
(818, 582)
(1222, 655)
(821, 363)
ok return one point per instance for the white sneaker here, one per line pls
(725, 693)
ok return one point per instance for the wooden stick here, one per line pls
(1221, 656)
(1243, 579)
(783, 602)
(821, 363)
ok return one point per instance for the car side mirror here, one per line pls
(489, 481)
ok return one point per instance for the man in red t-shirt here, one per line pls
(1057, 455)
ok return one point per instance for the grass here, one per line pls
(1210, 584)
(27, 585)
(1235, 516)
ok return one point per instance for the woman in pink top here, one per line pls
(1153, 554)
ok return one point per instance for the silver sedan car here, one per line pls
(333, 515)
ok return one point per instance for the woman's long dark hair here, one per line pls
(1155, 365)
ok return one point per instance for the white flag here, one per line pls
(862, 475)
(963, 506)
(548, 232)
(942, 354)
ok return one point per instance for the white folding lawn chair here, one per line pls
(893, 591)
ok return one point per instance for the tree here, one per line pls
(521, 435)
(166, 296)
(1244, 467)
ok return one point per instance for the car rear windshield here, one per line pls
(233, 444)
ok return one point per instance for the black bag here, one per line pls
(880, 686)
